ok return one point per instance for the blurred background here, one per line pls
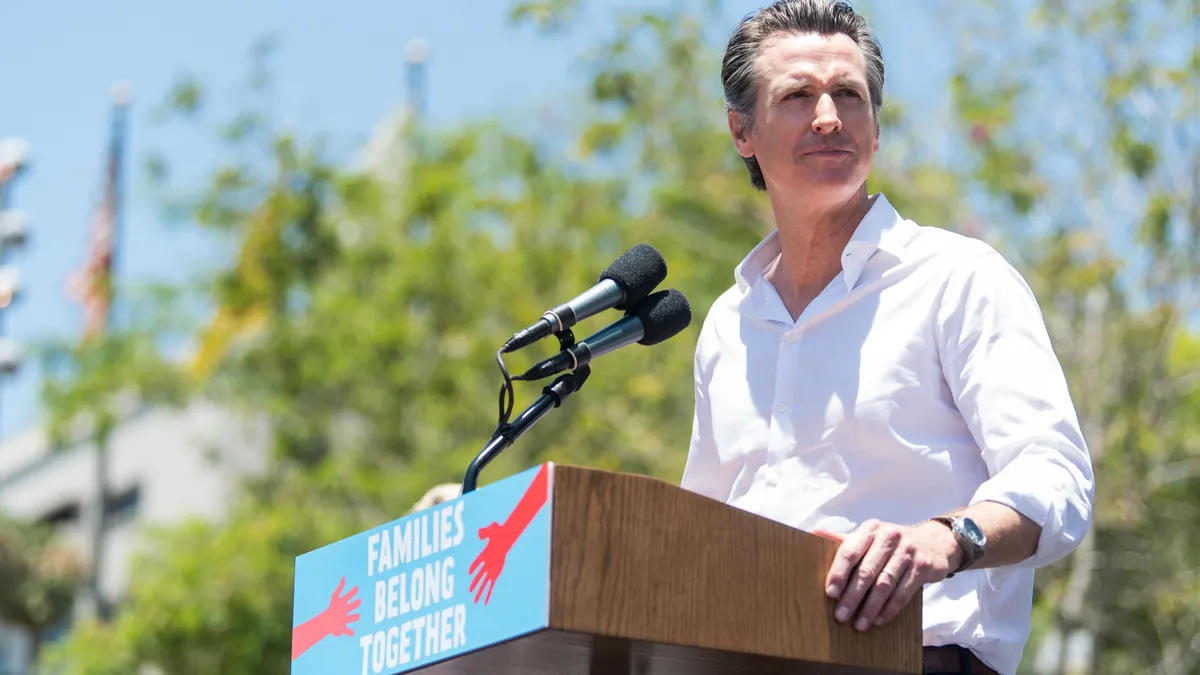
(256, 259)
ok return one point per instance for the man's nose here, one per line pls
(826, 121)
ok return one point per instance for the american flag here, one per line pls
(92, 284)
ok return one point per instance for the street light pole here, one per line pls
(14, 157)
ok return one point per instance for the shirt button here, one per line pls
(782, 407)
(791, 338)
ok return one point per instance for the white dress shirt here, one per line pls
(920, 380)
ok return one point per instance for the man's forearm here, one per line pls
(1011, 537)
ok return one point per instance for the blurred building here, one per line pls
(166, 465)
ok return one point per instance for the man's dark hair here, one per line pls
(739, 72)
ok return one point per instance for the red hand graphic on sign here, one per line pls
(333, 621)
(488, 565)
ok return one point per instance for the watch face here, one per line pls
(972, 532)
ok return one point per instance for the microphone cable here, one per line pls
(506, 388)
(507, 397)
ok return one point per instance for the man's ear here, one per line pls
(741, 136)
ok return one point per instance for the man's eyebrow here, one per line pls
(791, 84)
(844, 80)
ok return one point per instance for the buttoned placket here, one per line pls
(788, 363)
(782, 419)
(787, 367)
(782, 437)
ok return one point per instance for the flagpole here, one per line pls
(122, 95)
(99, 301)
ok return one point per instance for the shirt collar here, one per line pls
(882, 229)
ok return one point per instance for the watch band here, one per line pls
(967, 557)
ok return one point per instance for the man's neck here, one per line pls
(812, 241)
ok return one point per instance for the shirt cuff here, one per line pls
(1043, 485)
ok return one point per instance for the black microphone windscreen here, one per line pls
(663, 315)
(638, 271)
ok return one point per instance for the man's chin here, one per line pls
(832, 186)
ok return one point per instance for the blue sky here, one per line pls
(339, 69)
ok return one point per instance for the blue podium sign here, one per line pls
(454, 578)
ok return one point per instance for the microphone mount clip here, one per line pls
(566, 339)
(553, 396)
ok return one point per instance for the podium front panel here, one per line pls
(455, 578)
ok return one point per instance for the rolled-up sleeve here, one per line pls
(1011, 390)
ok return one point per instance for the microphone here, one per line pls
(658, 317)
(626, 281)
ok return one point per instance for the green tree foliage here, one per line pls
(216, 598)
(1093, 171)
(87, 388)
(367, 301)
(38, 578)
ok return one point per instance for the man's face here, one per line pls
(814, 131)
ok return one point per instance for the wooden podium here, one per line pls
(649, 579)
(586, 572)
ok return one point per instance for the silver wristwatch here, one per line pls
(970, 538)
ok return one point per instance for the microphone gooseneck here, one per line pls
(553, 396)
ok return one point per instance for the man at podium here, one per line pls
(889, 384)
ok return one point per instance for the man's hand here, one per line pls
(880, 567)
